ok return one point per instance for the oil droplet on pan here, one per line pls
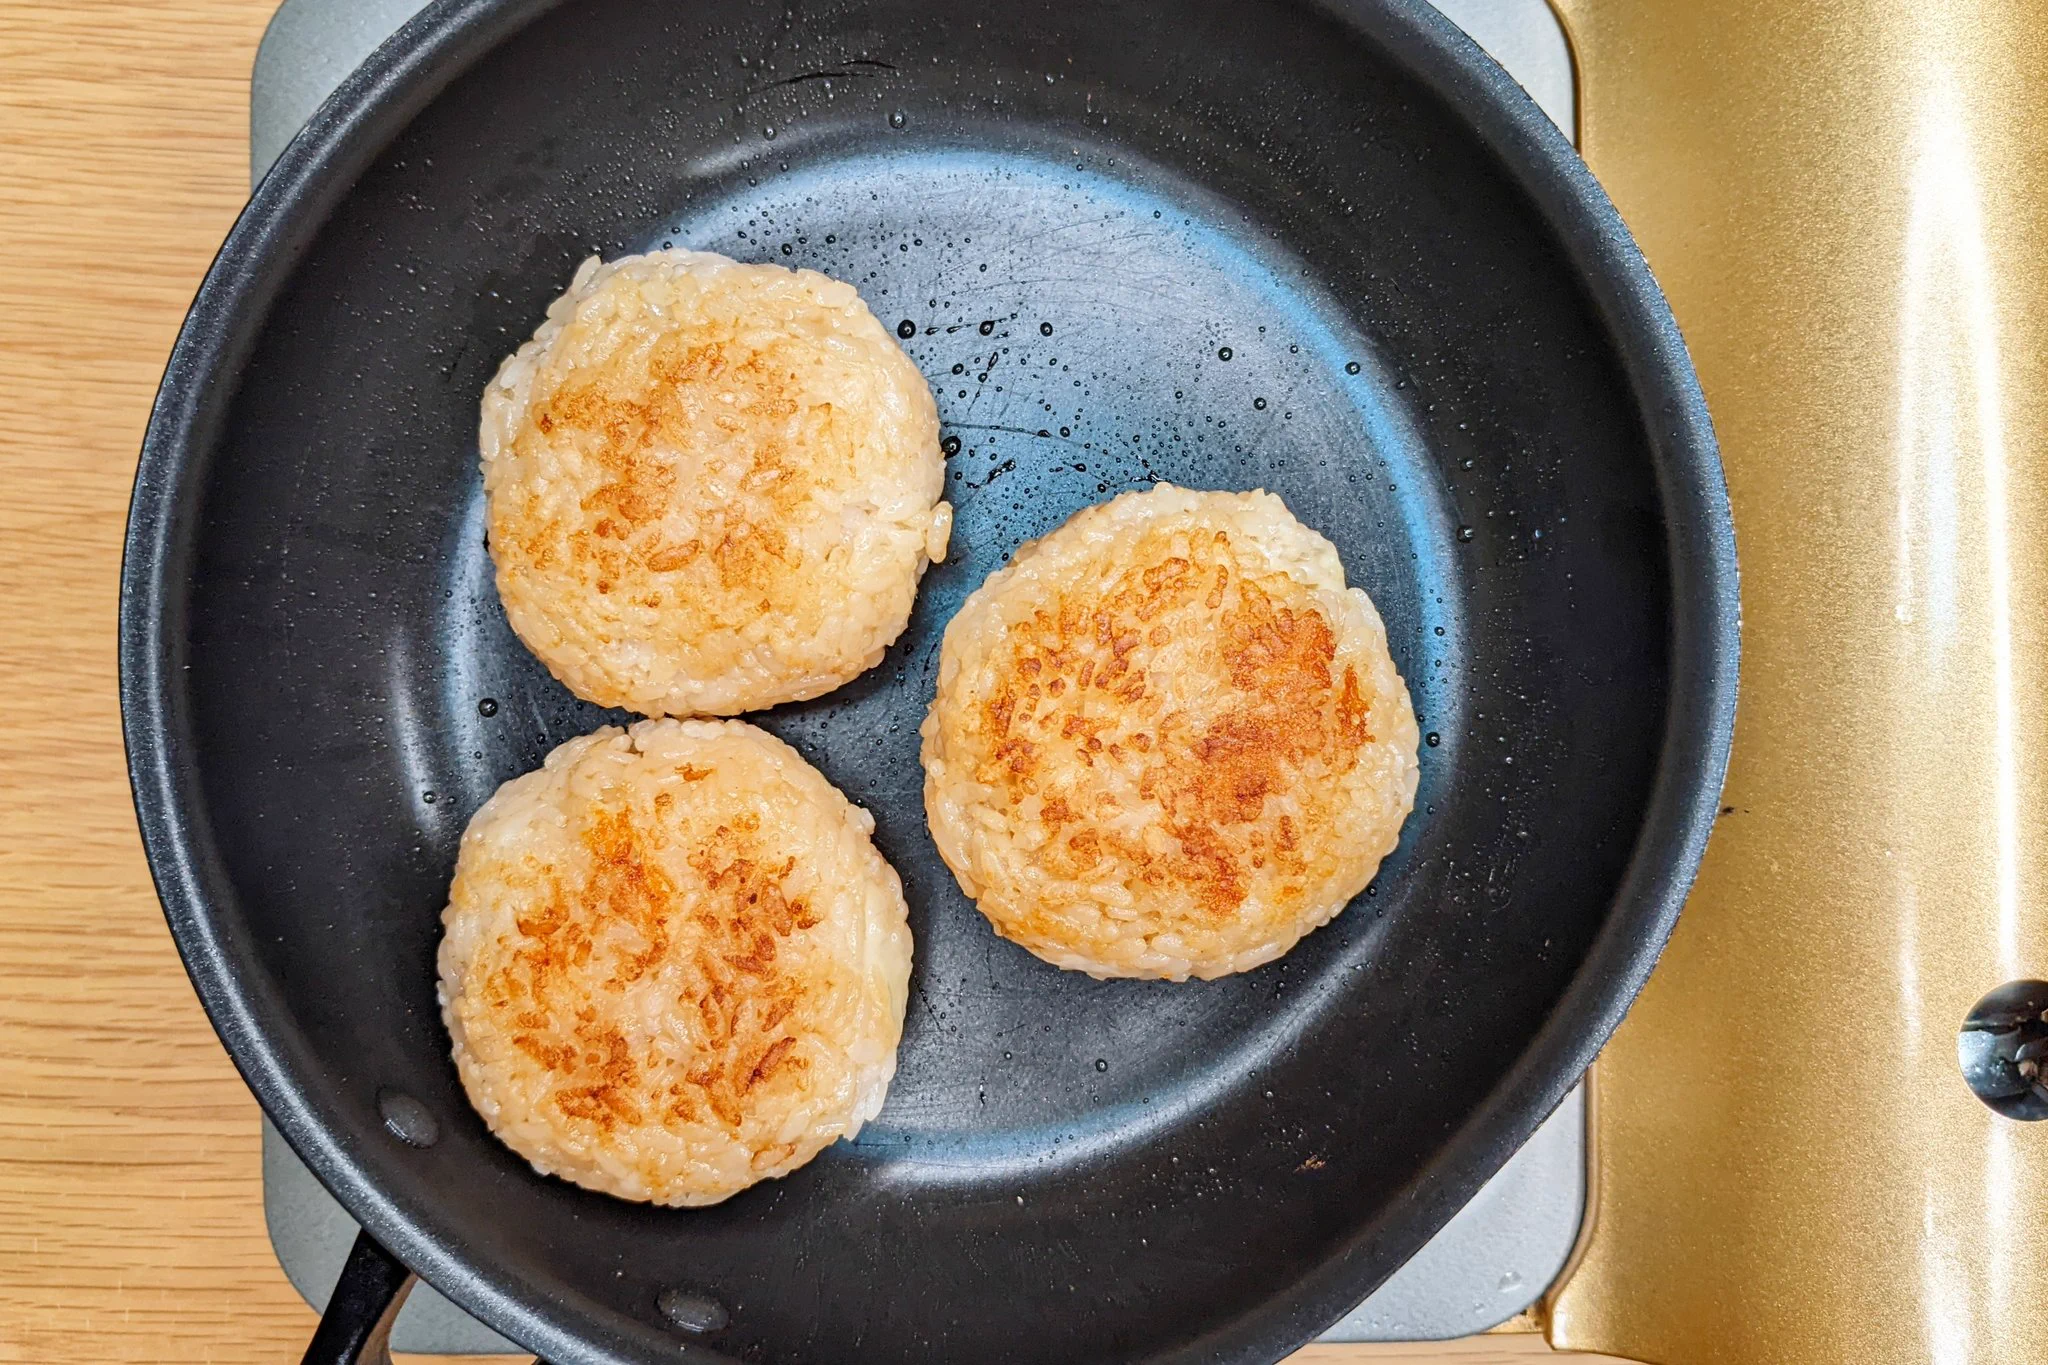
(406, 1119)
(692, 1311)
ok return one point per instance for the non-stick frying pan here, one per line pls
(1324, 249)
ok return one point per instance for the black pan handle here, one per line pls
(356, 1328)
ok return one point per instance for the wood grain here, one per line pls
(131, 1224)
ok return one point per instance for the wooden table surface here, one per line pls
(131, 1220)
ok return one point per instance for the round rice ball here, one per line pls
(673, 963)
(712, 487)
(1167, 740)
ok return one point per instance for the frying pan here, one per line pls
(1327, 249)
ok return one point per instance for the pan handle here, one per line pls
(356, 1328)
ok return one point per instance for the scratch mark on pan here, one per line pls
(859, 68)
(1036, 433)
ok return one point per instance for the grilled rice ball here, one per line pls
(1167, 740)
(712, 487)
(673, 963)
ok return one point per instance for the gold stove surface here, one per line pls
(1847, 203)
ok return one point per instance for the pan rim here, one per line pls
(436, 47)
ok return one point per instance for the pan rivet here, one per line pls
(896, 119)
(407, 1119)
(2002, 1046)
(692, 1311)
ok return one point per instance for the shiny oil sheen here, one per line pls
(1847, 204)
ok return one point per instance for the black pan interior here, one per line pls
(1226, 245)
